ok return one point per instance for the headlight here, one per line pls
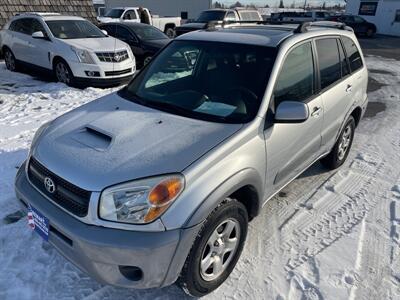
(39, 132)
(83, 56)
(131, 55)
(141, 201)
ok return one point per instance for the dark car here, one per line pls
(144, 40)
(359, 25)
(214, 15)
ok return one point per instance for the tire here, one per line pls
(63, 73)
(146, 60)
(370, 32)
(218, 245)
(170, 32)
(342, 147)
(9, 58)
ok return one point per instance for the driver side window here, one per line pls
(296, 78)
(130, 15)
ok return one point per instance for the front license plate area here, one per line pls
(38, 222)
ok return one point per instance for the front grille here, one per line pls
(69, 196)
(113, 56)
(115, 73)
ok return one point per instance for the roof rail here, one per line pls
(39, 14)
(303, 27)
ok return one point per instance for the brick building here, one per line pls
(83, 8)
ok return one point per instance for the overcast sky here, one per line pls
(285, 2)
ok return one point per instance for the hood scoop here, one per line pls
(92, 137)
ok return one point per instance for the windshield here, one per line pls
(211, 81)
(211, 15)
(114, 13)
(149, 33)
(74, 29)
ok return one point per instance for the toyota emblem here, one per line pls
(49, 185)
(117, 57)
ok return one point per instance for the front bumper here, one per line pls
(100, 251)
(106, 73)
(102, 82)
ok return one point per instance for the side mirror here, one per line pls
(291, 112)
(38, 35)
(104, 31)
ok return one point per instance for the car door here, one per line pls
(335, 87)
(38, 48)
(19, 35)
(291, 147)
(358, 79)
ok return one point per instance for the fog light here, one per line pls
(131, 273)
(92, 73)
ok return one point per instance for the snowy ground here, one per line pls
(328, 235)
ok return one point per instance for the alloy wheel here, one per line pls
(345, 142)
(10, 60)
(220, 249)
(62, 73)
(146, 60)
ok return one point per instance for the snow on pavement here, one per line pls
(328, 235)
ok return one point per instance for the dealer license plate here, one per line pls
(38, 222)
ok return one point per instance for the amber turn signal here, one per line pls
(165, 191)
(162, 195)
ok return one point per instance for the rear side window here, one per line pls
(296, 79)
(353, 54)
(21, 26)
(13, 25)
(329, 63)
(343, 60)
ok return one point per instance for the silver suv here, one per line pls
(156, 183)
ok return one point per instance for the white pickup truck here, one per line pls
(131, 14)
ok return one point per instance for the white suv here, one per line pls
(72, 47)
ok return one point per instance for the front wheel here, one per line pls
(216, 249)
(146, 60)
(63, 73)
(341, 149)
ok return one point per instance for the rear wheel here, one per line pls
(370, 32)
(216, 249)
(63, 73)
(11, 63)
(341, 149)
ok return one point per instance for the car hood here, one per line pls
(112, 140)
(155, 44)
(192, 26)
(106, 44)
(107, 19)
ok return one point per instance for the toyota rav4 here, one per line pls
(156, 183)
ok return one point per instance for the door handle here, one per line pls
(349, 88)
(316, 111)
